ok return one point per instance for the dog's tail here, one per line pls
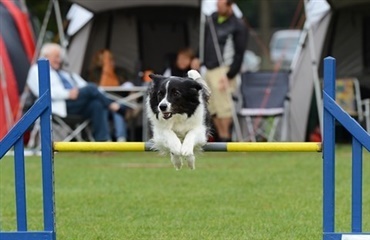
(197, 77)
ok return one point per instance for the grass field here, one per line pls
(255, 196)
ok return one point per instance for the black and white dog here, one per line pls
(177, 110)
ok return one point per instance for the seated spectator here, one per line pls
(103, 73)
(71, 94)
(103, 70)
(185, 60)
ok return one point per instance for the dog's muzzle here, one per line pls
(167, 115)
(164, 107)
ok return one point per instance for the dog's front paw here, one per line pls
(187, 149)
(191, 161)
(176, 160)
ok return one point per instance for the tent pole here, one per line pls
(58, 17)
(201, 33)
(45, 22)
(315, 71)
(43, 31)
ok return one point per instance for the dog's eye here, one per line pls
(160, 94)
(176, 93)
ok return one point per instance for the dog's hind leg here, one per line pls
(177, 161)
(191, 161)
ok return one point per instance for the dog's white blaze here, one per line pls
(165, 100)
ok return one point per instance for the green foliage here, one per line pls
(281, 12)
(116, 196)
(37, 11)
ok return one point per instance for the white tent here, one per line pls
(340, 29)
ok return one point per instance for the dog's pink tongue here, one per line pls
(167, 115)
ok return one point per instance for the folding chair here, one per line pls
(71, 127)
(264, 105)
(64, 130)
(348, 96)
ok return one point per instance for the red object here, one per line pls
(9, 99)
(315, 136)
(9, 95)
(23, 26)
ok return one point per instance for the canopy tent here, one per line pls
(108, 5)
(141, 34)
(16, 51)
(340, 29)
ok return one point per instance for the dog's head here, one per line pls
(173, 95)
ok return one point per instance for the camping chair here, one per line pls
(72, 127)
(264, 105)
(348, 96)
(64, 129)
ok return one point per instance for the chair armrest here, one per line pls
(366, 104)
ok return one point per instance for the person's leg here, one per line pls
(212, 102)
(224, 113)
(120, 130)
(96, 113)
(222, 126)
(220, 104)
(91, 91)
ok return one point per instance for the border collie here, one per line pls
(177, 111)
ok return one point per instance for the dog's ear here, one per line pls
(193, 74)
(195, 85)
(156, 77)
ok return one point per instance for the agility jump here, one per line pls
(209, 147)
(332, 112)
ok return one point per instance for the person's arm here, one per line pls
(33, 80)
(57, 90)
(240, 43)
(78, 80)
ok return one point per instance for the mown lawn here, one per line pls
(229, 196)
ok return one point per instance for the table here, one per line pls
(128, 96)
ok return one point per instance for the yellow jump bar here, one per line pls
(209, 147)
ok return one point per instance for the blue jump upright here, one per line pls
(42, 109)
(360, 139)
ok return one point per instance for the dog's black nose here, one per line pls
(163, 107)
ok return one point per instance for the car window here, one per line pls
(287, 43)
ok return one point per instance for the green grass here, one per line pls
(229, 196)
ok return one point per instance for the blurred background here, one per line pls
(264, 18)
(291, 36)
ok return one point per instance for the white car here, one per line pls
(283, 45)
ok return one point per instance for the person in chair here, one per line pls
(71, 94)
